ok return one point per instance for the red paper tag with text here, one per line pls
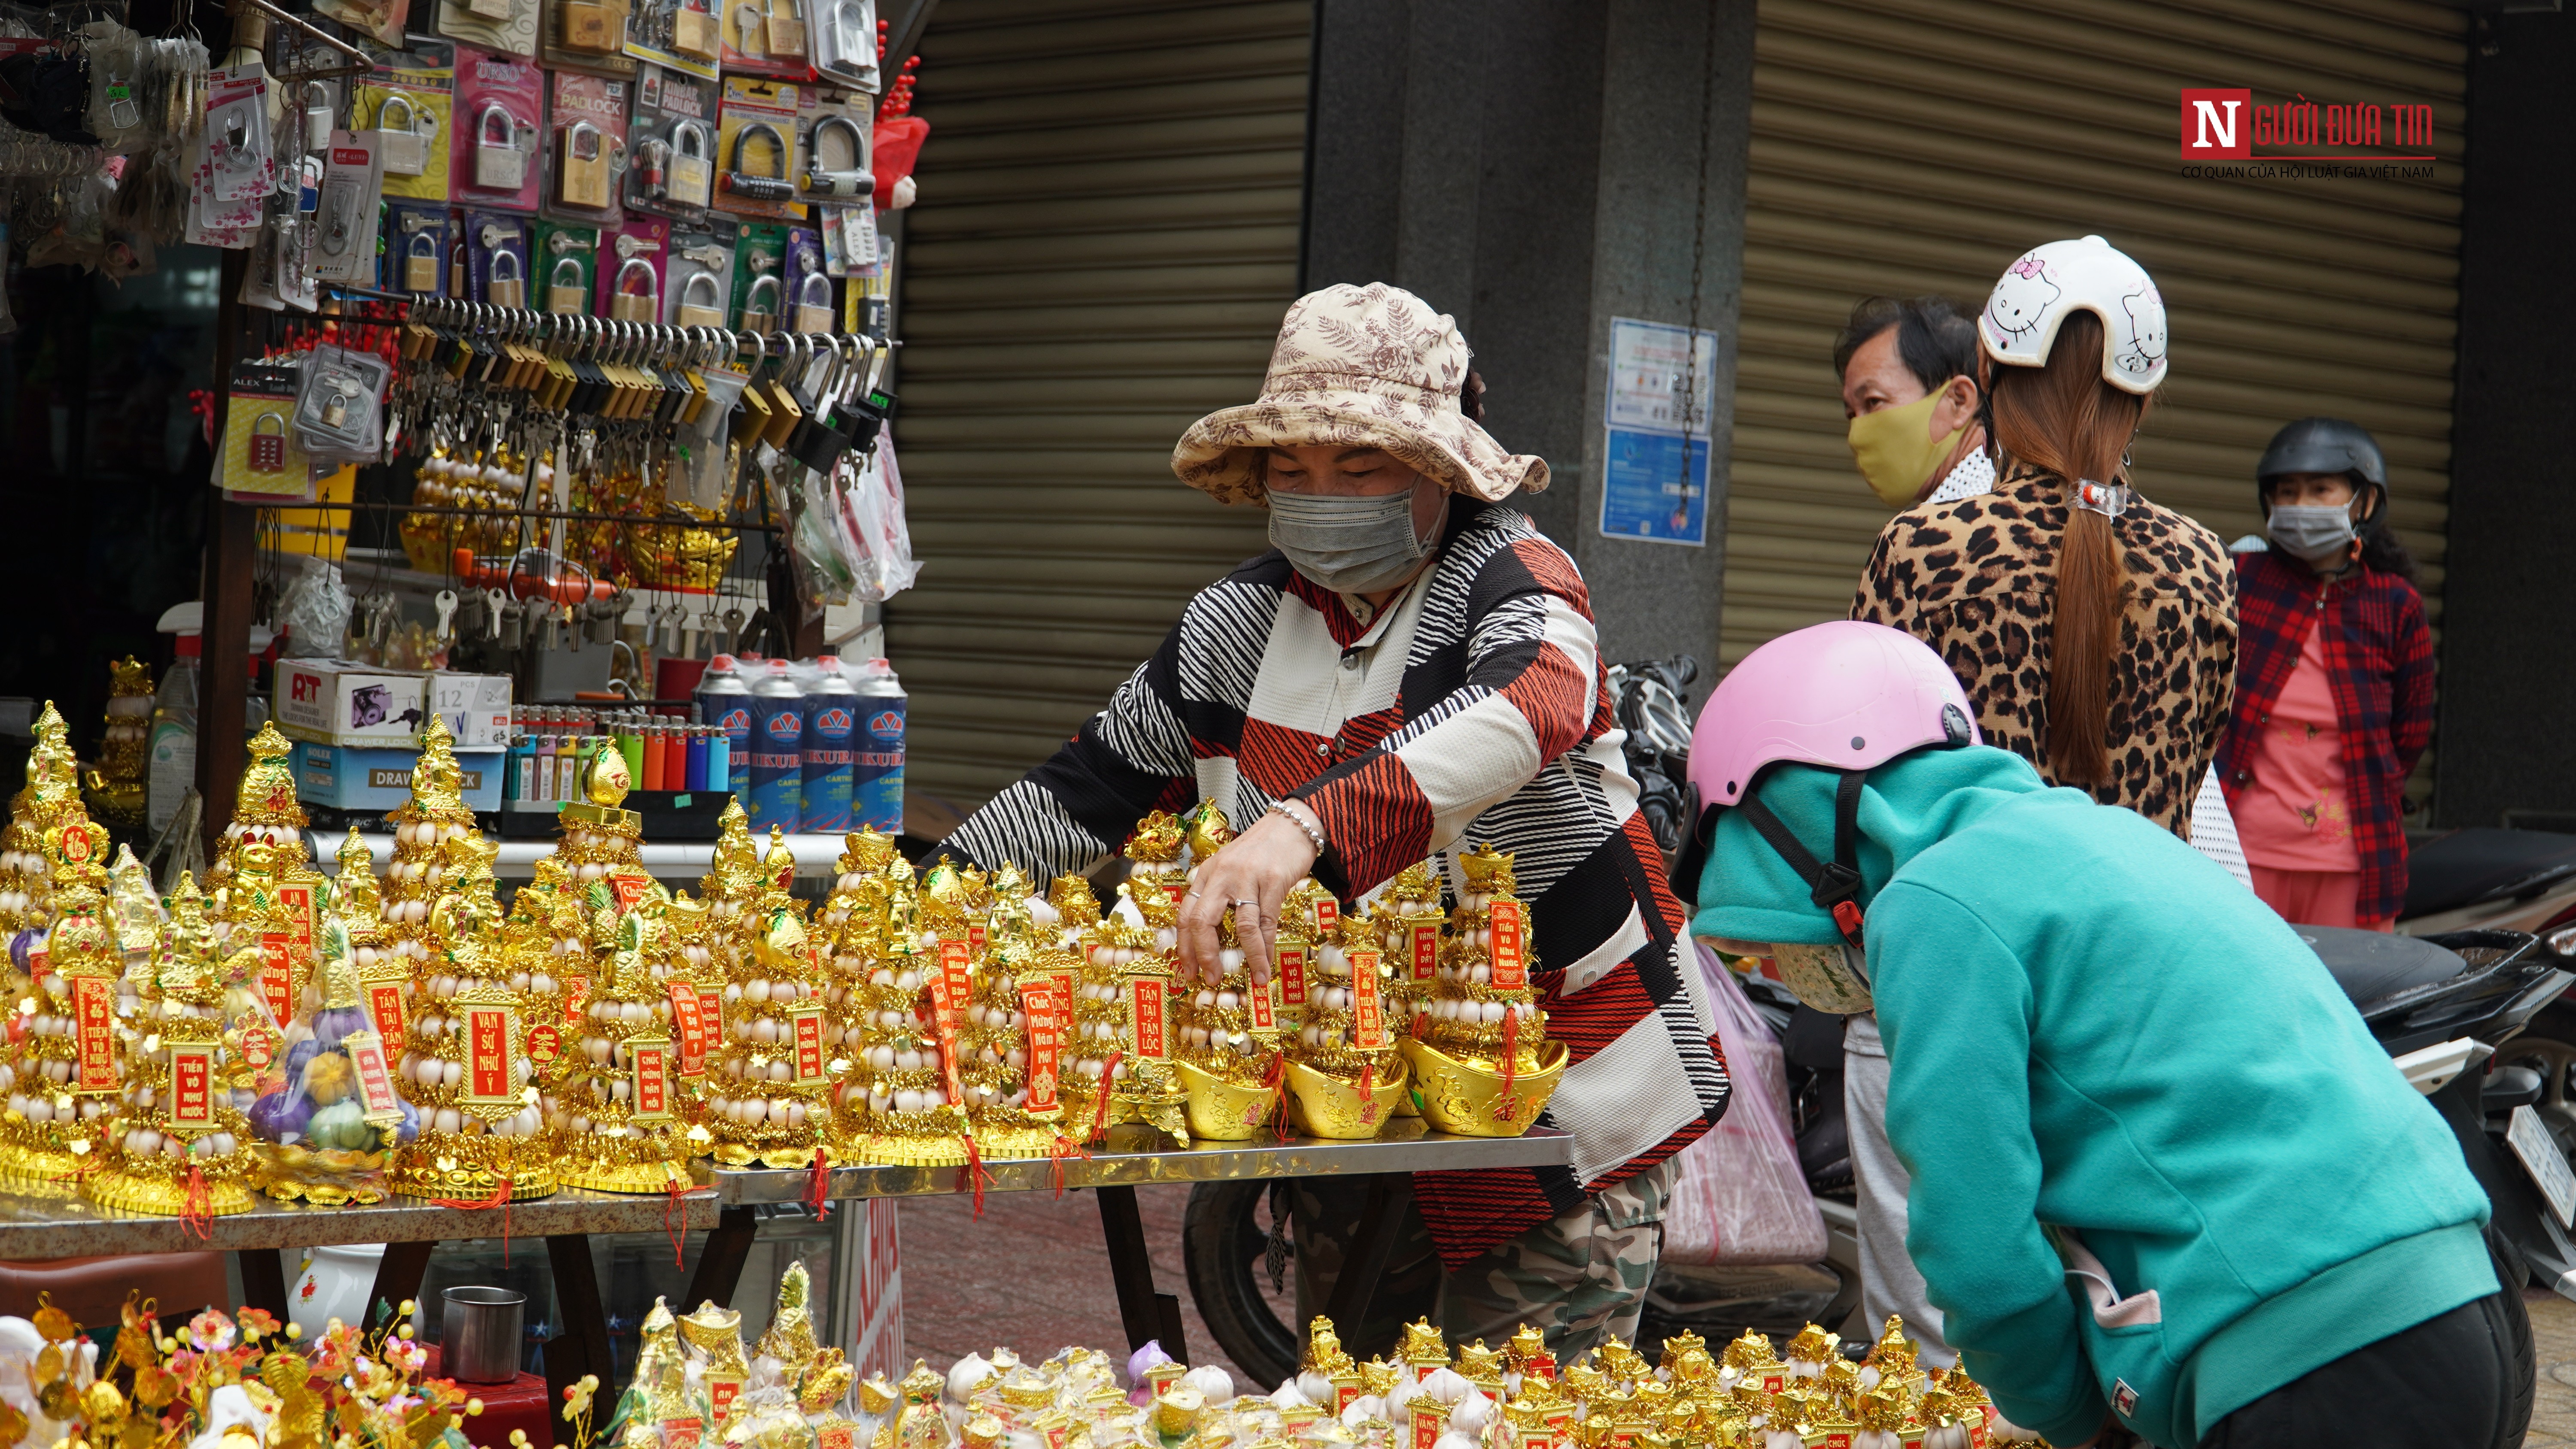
(682, 1433)
(1292, 974)
(277, 975)
(652, 1066)
(1424, 946)
(298, 900)
(1368, 1014)
(1511, 947)
(722, 1390)
(544, 1044)
(377, 1100)
(952, 985)
(1263, 1002)
(94, 1032)
(837, 1436)
(488, 1030)
(1328, 914)
(1145, 1014)
(385, 1004)
(805, 1030)
(690, 1023)
(576, 999)
(626, 888)
(192, 1085)
(1045, 1003)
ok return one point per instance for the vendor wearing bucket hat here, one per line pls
(1412, 671)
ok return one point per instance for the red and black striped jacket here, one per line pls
(2379, 663)
(1472, 710)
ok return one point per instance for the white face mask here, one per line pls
(1349, 544)
(2311, 532)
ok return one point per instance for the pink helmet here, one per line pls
(1844, 696)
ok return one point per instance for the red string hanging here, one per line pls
(672, 1191)
(197, 1212)
(976, 1177)
(1100, 1098)
(500, 1198)
(818, 1187)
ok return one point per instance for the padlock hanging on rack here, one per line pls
(694, 33)
(420, 263)
(502, 289)
(267, 449)
(583, 177)
(593, 27)
(750, 185)
(500, 164)
(567, 291)
(692, 165)
(786, 32)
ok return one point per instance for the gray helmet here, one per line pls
(2323, 445)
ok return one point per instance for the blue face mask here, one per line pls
(1351, 545)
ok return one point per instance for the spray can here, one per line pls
(724, 701)
(876, 789)
(831, 715)
(777, 750)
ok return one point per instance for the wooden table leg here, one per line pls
(1147, 1316)
(1390, 1194)
(720, 1266)
(582, 1346)
(397, 1279)
(263, 1281)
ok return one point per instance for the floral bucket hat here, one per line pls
(1359, 367)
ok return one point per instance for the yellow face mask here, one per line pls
(1895, 452)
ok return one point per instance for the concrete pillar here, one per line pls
(1534, 170)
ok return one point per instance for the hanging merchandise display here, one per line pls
(493, 150)
(589, 147)
(497, 259)
(563, 262)
(846, 41)
(673, 135)
(686, 35)
(757, 141)
(408, 104)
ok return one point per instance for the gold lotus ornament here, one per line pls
(1323, 1105)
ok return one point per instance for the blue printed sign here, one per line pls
(1650, 492)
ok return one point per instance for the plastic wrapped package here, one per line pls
(327, 1131)
(1739, 1198)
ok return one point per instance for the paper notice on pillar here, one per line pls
(1661, 395)
(1654, 487)
(871, 1283)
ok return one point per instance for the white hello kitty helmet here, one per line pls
(2088, 274)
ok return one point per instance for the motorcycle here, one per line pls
(2515, 880)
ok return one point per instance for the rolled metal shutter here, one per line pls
(1105, 239)
(1914, 146)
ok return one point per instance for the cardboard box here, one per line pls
(348, 777)
(475, 706)
(339, 702)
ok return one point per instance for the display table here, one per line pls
(725, 1204)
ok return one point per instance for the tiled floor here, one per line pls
(1032, 1274)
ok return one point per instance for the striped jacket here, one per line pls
(1473, 709)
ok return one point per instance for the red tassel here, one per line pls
(671, 1199)
(1100, 1098)
(1065, 1147)
(818, 1187)
(500, 1198)
(197, 1214)
(975, 1174)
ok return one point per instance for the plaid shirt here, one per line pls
(2379, 662)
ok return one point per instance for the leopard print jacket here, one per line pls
(1977, 580)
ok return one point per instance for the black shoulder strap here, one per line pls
(1832, 886)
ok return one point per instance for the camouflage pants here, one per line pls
(1580, 1278)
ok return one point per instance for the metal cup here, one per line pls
(479, 1337)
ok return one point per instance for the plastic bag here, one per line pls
(1739, 1198)
(874, 503)
(314, 614)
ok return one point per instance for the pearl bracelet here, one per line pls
(1313, 834)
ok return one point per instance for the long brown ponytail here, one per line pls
(2065, 419)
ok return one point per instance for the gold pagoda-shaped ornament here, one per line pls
(626, 1127)
(1146, 1086)
(482, 1130)
(181, 1146)
(1344, 1075)
(424, 827)
(65, 1018)
(50, 798)
(115, 785)
(909, 1049)
(1229, 1033)
(1482, 1060)
(771, 1080)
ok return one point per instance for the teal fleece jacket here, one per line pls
(2158, 1161)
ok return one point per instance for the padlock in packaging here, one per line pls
(497, 10)
(692, 167)
(420, 263)
(644, 306)
(814, 303)
(787, 30)
(693, 33)
(268, 449)
(503, 286)
(500, 164)
(594, 27)
(567, 295)
(404, 149)
(822, 179)
(696, 313)
(757, 317)
(752, 185)
(585, 167)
